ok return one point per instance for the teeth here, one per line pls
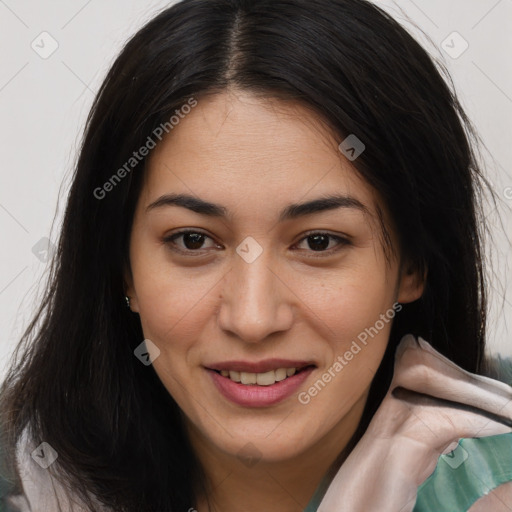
(281, 373)
(261, 379)
(248, 378)
(265, 379)
(234, 376)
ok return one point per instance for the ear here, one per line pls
(129, 289)
(412, 283)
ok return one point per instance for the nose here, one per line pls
(256, 300)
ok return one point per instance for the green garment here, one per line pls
(472, 470)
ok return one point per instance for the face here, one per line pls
(297, 302)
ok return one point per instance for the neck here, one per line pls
(274, 486)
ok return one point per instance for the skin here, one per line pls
(242, 152)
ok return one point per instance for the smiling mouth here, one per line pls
(262, 379)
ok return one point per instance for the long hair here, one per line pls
(118, 432)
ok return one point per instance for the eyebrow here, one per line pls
(292, 211)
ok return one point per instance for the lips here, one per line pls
(259, 384)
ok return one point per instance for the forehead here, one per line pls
(252, 153)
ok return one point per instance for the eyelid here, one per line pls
(342, 241)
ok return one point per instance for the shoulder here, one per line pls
(477, 472)
(42, 490)
(477, 475)
(497, 500)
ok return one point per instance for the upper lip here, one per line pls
(258, 367)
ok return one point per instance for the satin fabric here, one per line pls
(470, 471)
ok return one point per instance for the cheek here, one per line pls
(354, 312)
(359, 321)
(173, 310)
(173, 302)
(350, 302)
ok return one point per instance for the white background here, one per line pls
(44, 102)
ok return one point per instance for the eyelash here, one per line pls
(170, 240)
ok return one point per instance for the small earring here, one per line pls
(127, 301)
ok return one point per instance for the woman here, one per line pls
(254, 367)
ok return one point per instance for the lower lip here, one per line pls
(253, 395)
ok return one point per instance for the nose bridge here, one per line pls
(254, 299)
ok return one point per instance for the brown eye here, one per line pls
(319, 242)
(192, 241)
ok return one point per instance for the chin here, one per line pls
(254, 447)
